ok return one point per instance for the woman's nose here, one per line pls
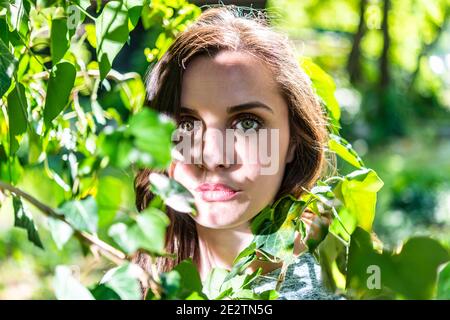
(217, 150)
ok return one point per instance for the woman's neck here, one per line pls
(219, 247)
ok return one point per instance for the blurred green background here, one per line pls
(390, 60)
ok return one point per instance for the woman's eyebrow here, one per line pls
(249, 105)
(234, 109)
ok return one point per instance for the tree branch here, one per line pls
(108, 251)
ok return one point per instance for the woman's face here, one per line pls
(231, 186)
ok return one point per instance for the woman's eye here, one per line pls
(186, 125)
(247, 123)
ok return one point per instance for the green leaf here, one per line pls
(358, 192)
(240, 265)
(132, 93)
(242, 261)
(90, 31)
(443, 290)
(81, 214)
(10, 168)
(115, 194)
(152, 134)
(4, 31)
(60, 231)
(153, 223)
(102, 292)
(170, 282)
(62, 79)
(213, 282)
(23, 219)
(344, 150)
(17, 113)
(274, 227)
(7, 67)
(190, 279)
(325, 88)
(268, 295)
(18, 16)
(173, 193)
(36, 182)
(410, 274)
(67, 287)
(59, 38)
(134, 12)
(145, 143)
(124, 281)
(148, 232)
(111, 33)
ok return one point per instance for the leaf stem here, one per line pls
(282, 275)
(84, 11)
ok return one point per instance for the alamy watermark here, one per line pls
(260, 147)
(374, 280)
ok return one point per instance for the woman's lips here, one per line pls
(216, 192)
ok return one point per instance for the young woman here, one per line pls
(232, 71)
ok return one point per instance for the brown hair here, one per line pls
(225, 27)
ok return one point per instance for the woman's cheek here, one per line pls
(183, 174)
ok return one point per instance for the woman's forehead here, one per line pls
(229, 78)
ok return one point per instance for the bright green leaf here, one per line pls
(111, 33)
(124, 281)
(443, 290)
(67, 287)
(60, 231)
(81, 214)
(344, 150)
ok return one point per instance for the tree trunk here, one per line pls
(354, 59)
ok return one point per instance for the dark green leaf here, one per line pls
(23, 219)
(170, 282)
(7, 67)
(59, 39)
(189, 279)
(102, 292)
(62, 79)
(17, 113)
(411, 274)
(274, 228)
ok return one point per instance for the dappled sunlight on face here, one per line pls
(232, 91)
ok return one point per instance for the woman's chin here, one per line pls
(217, 219)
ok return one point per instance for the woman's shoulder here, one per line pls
(303, 281)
